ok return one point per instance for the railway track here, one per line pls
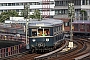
(23, 56)
(81, 50)
(67, 55)
(75, 53)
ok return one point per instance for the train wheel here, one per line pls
(33, 50)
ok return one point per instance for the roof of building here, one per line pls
(82, 21)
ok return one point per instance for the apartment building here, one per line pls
(61, 10)
(61, 7)
(46, 7)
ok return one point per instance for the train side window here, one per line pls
(88, 26)
(83, 26)
(58, 29)
(76, 26)
(55, 29)
(61, 27)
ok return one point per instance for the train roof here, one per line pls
(82, 21)
(45, 22)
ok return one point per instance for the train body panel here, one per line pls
(81, 27)
(45, 34)
(45, 41)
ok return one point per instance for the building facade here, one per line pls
(46, 7)
(61, 7)
(61, 10)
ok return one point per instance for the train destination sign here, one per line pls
(42, 24)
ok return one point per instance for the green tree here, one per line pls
(6, 15)
(32, 16)
(22, 13)
(37, 14)
(83, 14)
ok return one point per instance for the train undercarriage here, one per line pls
(82, 35)
(46, 49)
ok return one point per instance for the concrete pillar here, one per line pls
(81, 2)
(87, 2)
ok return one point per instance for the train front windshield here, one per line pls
(41, 32)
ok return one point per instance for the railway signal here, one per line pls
(71, 14)
(26, 10)
(71, 10)
(26, 16)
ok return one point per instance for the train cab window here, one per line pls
(43, 32)
(40, 32)
(34, 32)
(47, 32)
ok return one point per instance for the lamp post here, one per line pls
(71, 14)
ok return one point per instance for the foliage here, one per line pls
(6, 15)
(83, 11)
(22, 13)
(85, 14)
(37, 14)
(32, 16)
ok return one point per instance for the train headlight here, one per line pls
(33, 40)
(47, 39)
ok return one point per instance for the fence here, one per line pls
(12, 37)
(9, 51)
(12, 50)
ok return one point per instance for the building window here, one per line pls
(1, 10)
(4, 4)
(13, 4)
(4, 10)
(9, 4)
(66, 23)
(83, 2)
(1, 4)
(21, 4)
(56, 12)
(56, 3)
(33, 3)
(17, 4)
(17, 10)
